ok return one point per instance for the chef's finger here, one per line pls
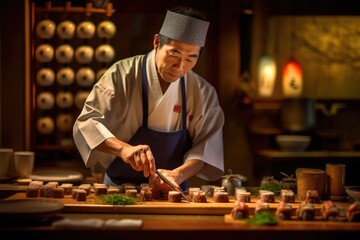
(145, 164)
(151, 161)
(136, 163)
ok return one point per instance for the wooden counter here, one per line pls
(174, 225)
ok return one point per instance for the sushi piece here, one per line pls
(306, 211)
(266, 196)
(240, 211)
(329, 211)
(146, 194)
(221, 196)
(174, 196)
(199, 196)
(312, 196)
(283, 212)
(287, 196)
(261, 206)
(353, 212)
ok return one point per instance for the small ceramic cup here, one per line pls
(24, 163)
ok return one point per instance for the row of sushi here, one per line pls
(306, 211)
(80, 193)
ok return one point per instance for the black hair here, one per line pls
(188, 12)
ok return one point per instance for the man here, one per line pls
(153, 112)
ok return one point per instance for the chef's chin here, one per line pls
(170, 78)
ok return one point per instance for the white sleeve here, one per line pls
(110, 110)
(98, 118)
(208, 136)
(89, 129)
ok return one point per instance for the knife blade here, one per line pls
(175, 188)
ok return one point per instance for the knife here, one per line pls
(172, 185)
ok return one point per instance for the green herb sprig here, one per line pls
(273, 188)
(263, 218)
(117, 199)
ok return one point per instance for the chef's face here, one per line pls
(174, 59)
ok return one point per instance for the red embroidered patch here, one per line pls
(177, 108)
(190, 117)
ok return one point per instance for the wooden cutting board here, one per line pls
(160, 206)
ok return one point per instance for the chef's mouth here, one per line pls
(174, 75)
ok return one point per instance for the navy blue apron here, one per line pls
(168, 148)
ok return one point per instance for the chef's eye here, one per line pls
(174, 55)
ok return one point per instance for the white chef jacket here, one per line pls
(114, 109)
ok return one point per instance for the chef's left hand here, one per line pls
(157, 184)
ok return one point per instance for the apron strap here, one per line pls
(183, 96)
(145, 96)
(144, 93)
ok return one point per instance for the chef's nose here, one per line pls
(179, 65)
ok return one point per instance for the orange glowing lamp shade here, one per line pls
(292, 81)
(266, 76)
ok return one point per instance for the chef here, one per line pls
(152, 112)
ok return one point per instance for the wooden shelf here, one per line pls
(88, 10)
(309, 154)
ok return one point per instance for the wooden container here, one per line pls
(310, 179)
(335, 179)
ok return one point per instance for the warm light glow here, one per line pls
(266, 76)
(292, 79)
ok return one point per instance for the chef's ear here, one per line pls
(156, 41)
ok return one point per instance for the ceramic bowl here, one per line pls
(293, 143)
(64, 99)
(65, 122)
(86, 30)
(45, 29)
(84, 54)
(353, 192)
(65, 76)
(104, 53)
(45, 100)
(66, 29)
(45, 77)
(44, 53)
(45, 125)
(64, 53)
(85, 77)
(106, 29)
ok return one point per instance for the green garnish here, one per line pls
(272, 188)
(263, 218)
(117, 199)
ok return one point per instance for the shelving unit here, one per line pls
(56, 104)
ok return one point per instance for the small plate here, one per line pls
(23, 181)
(56, 175)
(353, 192)
(29, 209)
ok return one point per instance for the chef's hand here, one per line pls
(157, 184)
(140, 158)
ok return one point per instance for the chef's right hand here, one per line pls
(140, 158)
